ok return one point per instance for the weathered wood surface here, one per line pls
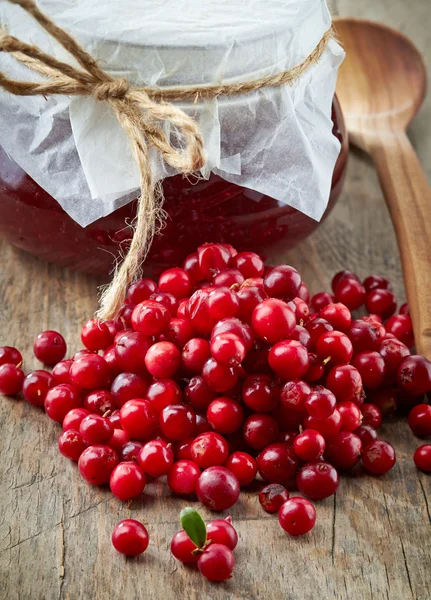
(371, 541)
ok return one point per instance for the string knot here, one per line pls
(107, 90)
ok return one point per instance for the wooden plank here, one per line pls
(371, 542)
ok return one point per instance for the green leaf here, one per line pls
(194, 526)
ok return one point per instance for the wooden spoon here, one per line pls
(381, 86)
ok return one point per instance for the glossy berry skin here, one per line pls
(130, 537)
(393, 351)
(73, 418)
(138, 419)
(364, 336)
(420, 420)
(60, 400)
(131, 348)
(163, 360)
(71, 444)
(414, 375)
(229, 278)
(182, 548)
(95, 335)
(150, 318)
(60, 372)
(293, 395)
(316, 328)
(237, 327)
(176, 281)
(177, 422)
(320, 300)
(242, 465)
(317, 480)
(260, 393)
(289, 359)
(213, 258)
(341, 276)
(168, 301)
(179, 332)
(209, 449)
(335, 346)
(221, 531)
(351, 416)
(260, 430)
(90, 372)
(297, 516)
(378, 457)
(183, 477)
(94, 429)
(327, 427)
(376, 282)
(219, 378)
(345, 383)
(11, 379)
(163, 393)
(141, 290)
(118, 440)
(217, 488)
(272, 497)
(216, 563)
(273, 320)
(222, 303)
(381, 302)
(228, 349)
(248, 263)
(422, 458)
(338, 315)
(156, 458)
(282, 281)
(36, 386)
(350, 292)
(277, 463)
(99, 402)
(371, 367)
(225, 415)
(198, 394)
(309, 445)
(96, 464)
(130, 451)
(49, 347)
(195, 354)
(402, 328)
(10, 355)
(366, 434)
(321, 403)
(127, 481)
(128, 386)
(371, 415)
(344, 450)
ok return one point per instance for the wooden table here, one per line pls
(371, 541)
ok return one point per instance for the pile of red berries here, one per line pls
(226, 368)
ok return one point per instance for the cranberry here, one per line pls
(351, 416)
(378, 457)
(363, 336)
(61, 370)
(422, 458)
(83, 352)
(414, 375)
(272, 497)
(402, 328)
(150, 318)
(288, 437)
(111, 361)
(404, 309)
(316, 328)
(163, 393)
(309, 445)
(71, 444)
(176, 281)
(10, 356)
(225, 415)
(213, 258)
(218, 377)
(371, 367)
(99, 402)
(118, 440)
(95, 335)
(420, 420)
(273, 320)
(345, 383)
(228, 349)
(179, 332)
(371, 415)
(338, 315)
(335, 347)
(127, 481)
(216, 563)
(36, 386)
(125, 315)
(96, 464)
(60, 400)
(342, 276)
(183, 477)
(317, 480)
(297, 516)
(303, 293)
(183, 450)
(248, 263)
(294, 394)
(49, 347)
(156, 458)
(128, 386)
(130, 537)
(168, 301)
(221, 531)
(376, 282)
(130, 351)
(114, 419)
(229, 278)
(217, 488)
(182, 548)
(138, 419)
(94, 429)
(289, 359)
(344, 450)
(191, 265)
(319, 301)
(282, 282)
(141, 290)
(130, 451)
(386, 400)
(249, 297)
(163, 360)
(260, 430)
(366, 434)
(177, 422)
(73, 418)
(222, 303)
(350, 292)
(381, 302)
(327, 427)
(209, 449)
(393, 351)
(243, 466)
(237, 327)
(321, 403)
(195, 354)
(277, 463)
(260, 393)
(90, 372)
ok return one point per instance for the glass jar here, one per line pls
(212, 210)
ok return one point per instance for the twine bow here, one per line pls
(141, 112)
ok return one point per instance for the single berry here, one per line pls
(127, 481)
(338, 315)
(261, 393)
(99, 402)
(381, 302)
(138, 419)
(350, 292)
(131, 348)
(96, 464)
(216, 563)
(297, 516)
(414, 375)
(366, 434)
(60, 372)
(334, 347)
(282, 282)
(420, 420)
(94, 429)
(344, 450)
(273, 320)
(10, 355)
(74, 418)
(321, 403)
(182, 548)
(272, 497)
(141, 290)
(401, 327)
(277, 463)
(225, 415)
(317, 480)
(11, 379)
(320, 300)
(228, 349)
(309, 445)
(345, 383)
(371, 367)
(49, 347)
(177, 422)
(128, 386)
(130, 537)
(195, 354)
(163, 393)
(150, 318)
(218, 377)
(156, 458)
(60, 400)
(371, 415)
(260, 430)
(289, 359)
(209, 449)
(327, 427)
(242, 465)
(293, 395)
(422, 458)
(95, 335)
(163, 360)
(36, 386)
(221, 531)
(176, 281)
(71, 444)
(378, 457)
(90, 372)
(217, 488)
(351, 416)
(183, 477)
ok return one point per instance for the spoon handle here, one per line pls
(408, 197)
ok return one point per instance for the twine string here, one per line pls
(141, 113)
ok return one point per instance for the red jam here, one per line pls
(213, 210)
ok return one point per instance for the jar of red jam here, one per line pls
(209, 209)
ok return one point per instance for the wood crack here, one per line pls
(407, 568)
(334, 515)
(426, 500)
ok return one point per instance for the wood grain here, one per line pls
(371, 542)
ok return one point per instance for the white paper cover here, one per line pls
(276, 141)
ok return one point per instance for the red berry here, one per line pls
(338, 315)
(95, 335)
(94, 429)
(225, 415)
(130, 451)
(393, 351)
(222, 303)
(371, 367)
(177, 422)
(49, 347)
(404, 309)
(243, 466)
(11, 379)
(221, 531)
(249, 296)
(141, 290)
(217, 488)
(321, 403)
(402, 328)
(316, 328)
(363, 336)
(327, 427)
(179, 332)
(168, 301)
(96, 464)
(342, 276)
(182, 548)
(371, 415)
(237, 327)
(289, 359)
(260, 430)
(128, 386)
(216, 563)
(345, 383)
(272, 497)
(378, 457)
(294, 394)
(317, 480)
(366, 434)
(414, 375)
(309, 445)
(36, 386)
(73, 418)
(60, 400)
(71, 444)
(218, 377)
(228, 349)
(381, 302)
(350, 292)
(156, 458)
(90, 372)
(320, 300)
(130, 537)
(301, 311)
(163, 393)
(386, 400)
(248, 263)
(10, 355)
(130, 351)
(213, 258)
(297, 516)
(229, 278)
(209, 449)
(282, 282)
(138, 419)
(273, 320)
(183, 477)
(99, 402)
(198, 394)
(303, 293)
(163, 360)
(420, 420)
(150, 318)
(260, 393)
(176, 281)
(277, 463)
(376, 282)
(195, 354)
(351, 416)
(422, 458)
(118, 440)
(60, 372)
(335, 347)
(127, 481)
(344, 450)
